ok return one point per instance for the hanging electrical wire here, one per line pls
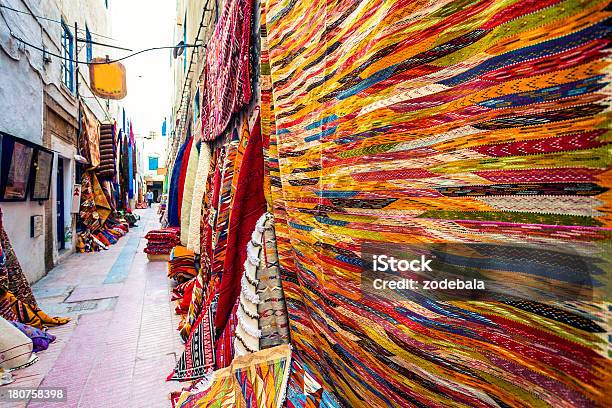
(98, 62)
(51, 20)
(47, 52)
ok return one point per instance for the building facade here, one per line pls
(39, 89)
(152, 161)
(194, 26)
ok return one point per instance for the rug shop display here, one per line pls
(106, 169)
(173, 193)
(183, 176)
(199, 189)
(100, 225)
(445, 122)
(181, 264)
(206, 219)
(89, 137)
(234, 240)
(475, 133)
(188, 191)
(255, 380)
(161, 241)
(17, 302)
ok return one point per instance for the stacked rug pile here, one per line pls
(161, 241)
(181, 264)
(107, 166)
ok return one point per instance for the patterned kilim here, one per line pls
(255, 380)
(12, 277)
(438, 122)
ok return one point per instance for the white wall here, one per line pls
(24, 78)
(21, 104)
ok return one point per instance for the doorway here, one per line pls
(59, 196)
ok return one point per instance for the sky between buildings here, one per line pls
(140, 24)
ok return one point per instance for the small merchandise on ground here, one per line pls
(22, 323)
(181, 264)
(161, 241)
(332, 133)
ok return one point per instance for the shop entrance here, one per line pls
(59, 196)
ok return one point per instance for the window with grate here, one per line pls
(89, 45)
(67, 57)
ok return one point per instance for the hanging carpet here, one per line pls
(449, 122)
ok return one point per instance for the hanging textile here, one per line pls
(94, 206)
(173, 195)
(134, 159)
(303, 391)
(118, 153)
(199, 189)
(227, 74)
(204, 272)
(89, 137)
(106, 169)
(103, 206)
(198, 358)
(130, 163)
(190, 179)
(248, 334)
(183, 175)
(224, 339)
(125, 172)
(271, 309)
(247, 206)
(255, 380)
(440, 122)
(12, 278)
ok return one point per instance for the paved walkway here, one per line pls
(122, 342)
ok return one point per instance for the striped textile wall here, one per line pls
(446, 121)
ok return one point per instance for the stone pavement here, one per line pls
(122, 342)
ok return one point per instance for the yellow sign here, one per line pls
(107, 80)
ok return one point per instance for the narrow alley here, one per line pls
(305, 203)
(122, 337)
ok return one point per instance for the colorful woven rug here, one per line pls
(190, 179)
(438, 122)
(12, 277)
(228, 68)
(173, 193)
(255, 380)
(199, 189)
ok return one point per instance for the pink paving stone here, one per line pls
(74, 364)
(119, 357)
